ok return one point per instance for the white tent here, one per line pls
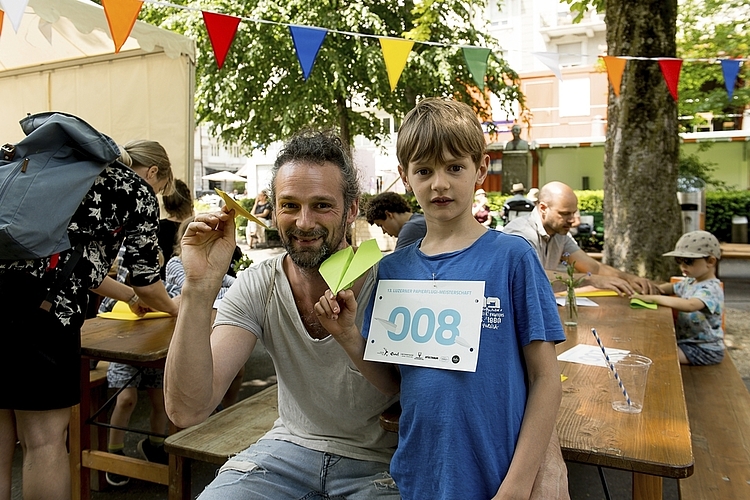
(63, 59)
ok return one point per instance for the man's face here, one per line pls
(310, 213)
(389, 225)
(558, 215)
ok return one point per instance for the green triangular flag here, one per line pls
(476, 59)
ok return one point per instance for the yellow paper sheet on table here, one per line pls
(343, 268)
(590, 291)
(238, 210)
(122, 311)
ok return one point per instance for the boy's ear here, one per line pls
(483, 169)
(712, 260)
(404, 178)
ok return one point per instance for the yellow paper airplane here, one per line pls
(342, 269)
(238, 210)
(122, 311)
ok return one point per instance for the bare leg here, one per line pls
(233, 392)
(124, 407)
(46, 475)
(7, 448)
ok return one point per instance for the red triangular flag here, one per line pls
(615, 67)
(670, 68)
(221, 30)
(121, 16)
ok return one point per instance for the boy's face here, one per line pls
(698, 268)
(445, 190)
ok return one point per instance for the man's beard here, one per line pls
(311, 258)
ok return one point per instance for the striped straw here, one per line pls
(611, 366)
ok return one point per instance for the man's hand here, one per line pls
(619, 285)
(207, 247)
(643, 285)
(337, 315)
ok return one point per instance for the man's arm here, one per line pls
(201, 365)
(585, 264)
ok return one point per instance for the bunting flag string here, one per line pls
(730, 68)
(395, 52)
(221, 30)
(2, 14)
(121, 17)
(615, 68)
(307, 43)
(671, 68)
(476, 60)
(15, 10)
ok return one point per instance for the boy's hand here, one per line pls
(337, 314)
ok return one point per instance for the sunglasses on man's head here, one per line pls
(688, 261)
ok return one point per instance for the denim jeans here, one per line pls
(273, 470)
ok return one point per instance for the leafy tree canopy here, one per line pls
(260, 96)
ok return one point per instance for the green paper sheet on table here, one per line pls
(638, 304)
(238, 210)
(343, 268)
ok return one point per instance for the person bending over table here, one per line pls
(41, 350)
(328, 430)
(547, 230)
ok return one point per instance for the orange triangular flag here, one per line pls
(615, 67)
(670, 68)
(395, 52)
(1, 21)
(221, 30)
(121, 16)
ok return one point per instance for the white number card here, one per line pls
(427, 323)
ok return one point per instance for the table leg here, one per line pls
(647, 487)
(179, 478)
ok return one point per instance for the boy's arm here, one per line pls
(676, 303)
(542, 405)
(337, 315)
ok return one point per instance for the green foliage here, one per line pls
(242, 263)
(712, 29)
(247, 204)
(260, 96)
(591, 201)
(720, 207)
(690, 165)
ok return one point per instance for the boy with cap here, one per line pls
(698, 300)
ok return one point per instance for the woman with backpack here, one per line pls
(40, 354)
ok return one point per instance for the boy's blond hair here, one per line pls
(436, 127)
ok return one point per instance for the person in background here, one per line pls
(392, 214)
(517, 205)
(502, 414)
(45, 362)
(179, 206)
(547, 227)
(533, 195)
(481, 209)
(698, 299)
(262, 210)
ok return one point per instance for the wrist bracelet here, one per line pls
(133, 300)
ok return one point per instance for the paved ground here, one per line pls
(584, 480)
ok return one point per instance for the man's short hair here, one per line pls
(436, 127)
(385, 202)
(318, 147)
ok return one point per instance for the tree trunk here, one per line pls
(344, 129)
(641, 213)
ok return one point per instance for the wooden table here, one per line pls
(652, 444)
(140, 343)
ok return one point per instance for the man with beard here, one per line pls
(547, 228)
(327, 441)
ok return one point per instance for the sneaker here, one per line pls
(116, 479)
(152, 453)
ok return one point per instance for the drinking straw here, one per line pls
(611, 366)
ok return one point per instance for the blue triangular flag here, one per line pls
(307, 42)
(730, 68)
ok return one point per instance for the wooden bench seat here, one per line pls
(718, 405)
(222, 435)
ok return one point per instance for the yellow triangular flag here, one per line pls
(395, 52)
(121, 16)
(615, 67)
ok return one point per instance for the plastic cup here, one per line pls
(633, 372)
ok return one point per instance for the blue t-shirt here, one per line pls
(701, 327)
(458, 430)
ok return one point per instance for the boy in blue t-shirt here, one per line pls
(463, 434)
(698, 299)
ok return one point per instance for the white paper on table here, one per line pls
(591, 355)
(581, 301)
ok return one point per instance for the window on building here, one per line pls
(215, 149)
(575, 97)
(570, 54)
(385, 124)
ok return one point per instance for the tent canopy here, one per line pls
(62, 59)
(224, 175)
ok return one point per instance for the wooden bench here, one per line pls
(718, 405)
(222, 435)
